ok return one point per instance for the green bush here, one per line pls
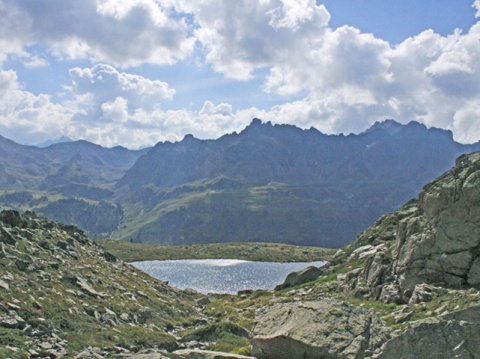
(12, 337)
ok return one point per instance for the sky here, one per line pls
(137, 72)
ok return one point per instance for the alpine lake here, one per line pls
(221, 275)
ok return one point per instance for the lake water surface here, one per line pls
(221, 275)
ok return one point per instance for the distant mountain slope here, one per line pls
(60, 139)
(280, 183)
(78, 162)
(67, 181)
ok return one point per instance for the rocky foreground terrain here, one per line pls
(408, 287)
(62, 295)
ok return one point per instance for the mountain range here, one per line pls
(270, 183)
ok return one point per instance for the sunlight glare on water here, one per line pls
(214, 262)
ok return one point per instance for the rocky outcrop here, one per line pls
(441, 245)
(58, 287)
(326, 328)
(434, 240)
(299, 277)
(455, 335)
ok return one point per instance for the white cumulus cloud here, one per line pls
(26, 117)
(352, 80)
(104, 81)
(337, 80)
(123, 33)
(240, 36)
(476, 5)
(102, 87)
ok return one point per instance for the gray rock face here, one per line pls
(440, 340)
(437, 239)
(327, 328)
(303, 276)
(424, 293)
(456, 335)
(12, 320)
(442, 244)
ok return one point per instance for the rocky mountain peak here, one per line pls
(390, 126)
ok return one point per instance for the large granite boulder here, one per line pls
(327, 328)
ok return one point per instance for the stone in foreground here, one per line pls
(326, 328)
(205, 354)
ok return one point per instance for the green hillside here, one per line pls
(204, 212)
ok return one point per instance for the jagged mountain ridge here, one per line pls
(264, 153)
(316, 189)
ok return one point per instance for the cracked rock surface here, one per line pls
(456, 335)
(327, 328)
(436, 239)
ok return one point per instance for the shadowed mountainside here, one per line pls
(279, 183)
